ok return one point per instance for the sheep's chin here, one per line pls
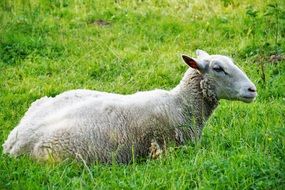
(247, 99)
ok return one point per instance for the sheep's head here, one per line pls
(229, 81)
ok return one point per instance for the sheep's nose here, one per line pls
(252, 89)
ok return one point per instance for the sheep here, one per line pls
(102, 127)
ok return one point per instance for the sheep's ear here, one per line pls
(201, 54)
(193, 63)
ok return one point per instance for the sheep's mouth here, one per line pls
(248, 97)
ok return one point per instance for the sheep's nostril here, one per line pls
(251, 89)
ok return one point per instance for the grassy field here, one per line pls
(47, 47)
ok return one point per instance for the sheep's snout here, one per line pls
(248, 93)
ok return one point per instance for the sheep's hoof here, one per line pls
(155, 150)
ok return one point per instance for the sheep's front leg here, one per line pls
(155, 150)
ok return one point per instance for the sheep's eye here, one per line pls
(219, 69)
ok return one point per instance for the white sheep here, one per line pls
(97, 126)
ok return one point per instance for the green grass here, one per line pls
(47, 47)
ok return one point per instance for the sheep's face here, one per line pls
(229, 81)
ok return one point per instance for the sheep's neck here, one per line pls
(198, 100)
